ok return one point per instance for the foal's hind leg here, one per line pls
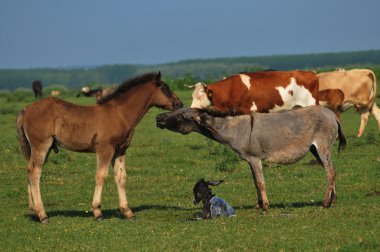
(104, 157)
(37, 159)
(324, 153)
(120, 180)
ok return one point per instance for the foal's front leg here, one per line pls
(120, 180)
(104, 157)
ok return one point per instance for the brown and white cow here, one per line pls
(359, 89)
(266, 91)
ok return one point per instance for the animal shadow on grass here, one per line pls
(115, 213)
(107, 213)
(283, 206)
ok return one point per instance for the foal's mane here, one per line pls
(126, 85)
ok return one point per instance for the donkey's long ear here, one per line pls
(215, 182)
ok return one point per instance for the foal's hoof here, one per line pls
(265, 207)
(128, 214)
(44, 221)
(329, 203)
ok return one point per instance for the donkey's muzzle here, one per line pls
(160, 121)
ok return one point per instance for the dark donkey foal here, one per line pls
(282, 138)
(213, 206)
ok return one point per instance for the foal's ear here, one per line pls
(158, 77)
(215, 182)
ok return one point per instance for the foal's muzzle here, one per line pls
(178, 105)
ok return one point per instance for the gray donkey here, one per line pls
(283, 138)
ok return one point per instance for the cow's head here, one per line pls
(85, 89)
(202, 96)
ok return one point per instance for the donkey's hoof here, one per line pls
(44, 221)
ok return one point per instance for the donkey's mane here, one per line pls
(126, 85)
(216, 113)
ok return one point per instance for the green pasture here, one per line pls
(162, 168)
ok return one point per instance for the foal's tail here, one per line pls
(342, 138)
(25, 145)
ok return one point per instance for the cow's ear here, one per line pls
(215, 182)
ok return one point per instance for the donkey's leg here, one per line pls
(324, 153)
(259, 200)
(258, 178)
(104, 157)
(364, 113)
(37, 159)
(120, 180)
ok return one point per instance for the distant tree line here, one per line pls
(186, 71)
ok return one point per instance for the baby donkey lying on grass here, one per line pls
(213, 206)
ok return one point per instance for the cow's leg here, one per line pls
(36, 162)
(120, 180)
(364, 113)
(104, 157)
(376, 113)
(339, 116)
(30, 197)
(258, 178)
(324, 153)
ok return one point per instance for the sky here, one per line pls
(72, 33)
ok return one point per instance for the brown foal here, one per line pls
(105, 129)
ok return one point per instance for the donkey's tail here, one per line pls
(25, 146)
(342, 138)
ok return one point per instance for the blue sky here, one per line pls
(64, 33)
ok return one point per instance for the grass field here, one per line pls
(162, 168)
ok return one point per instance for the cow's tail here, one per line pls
(25, 145)
(342, 138)
(373, 92)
